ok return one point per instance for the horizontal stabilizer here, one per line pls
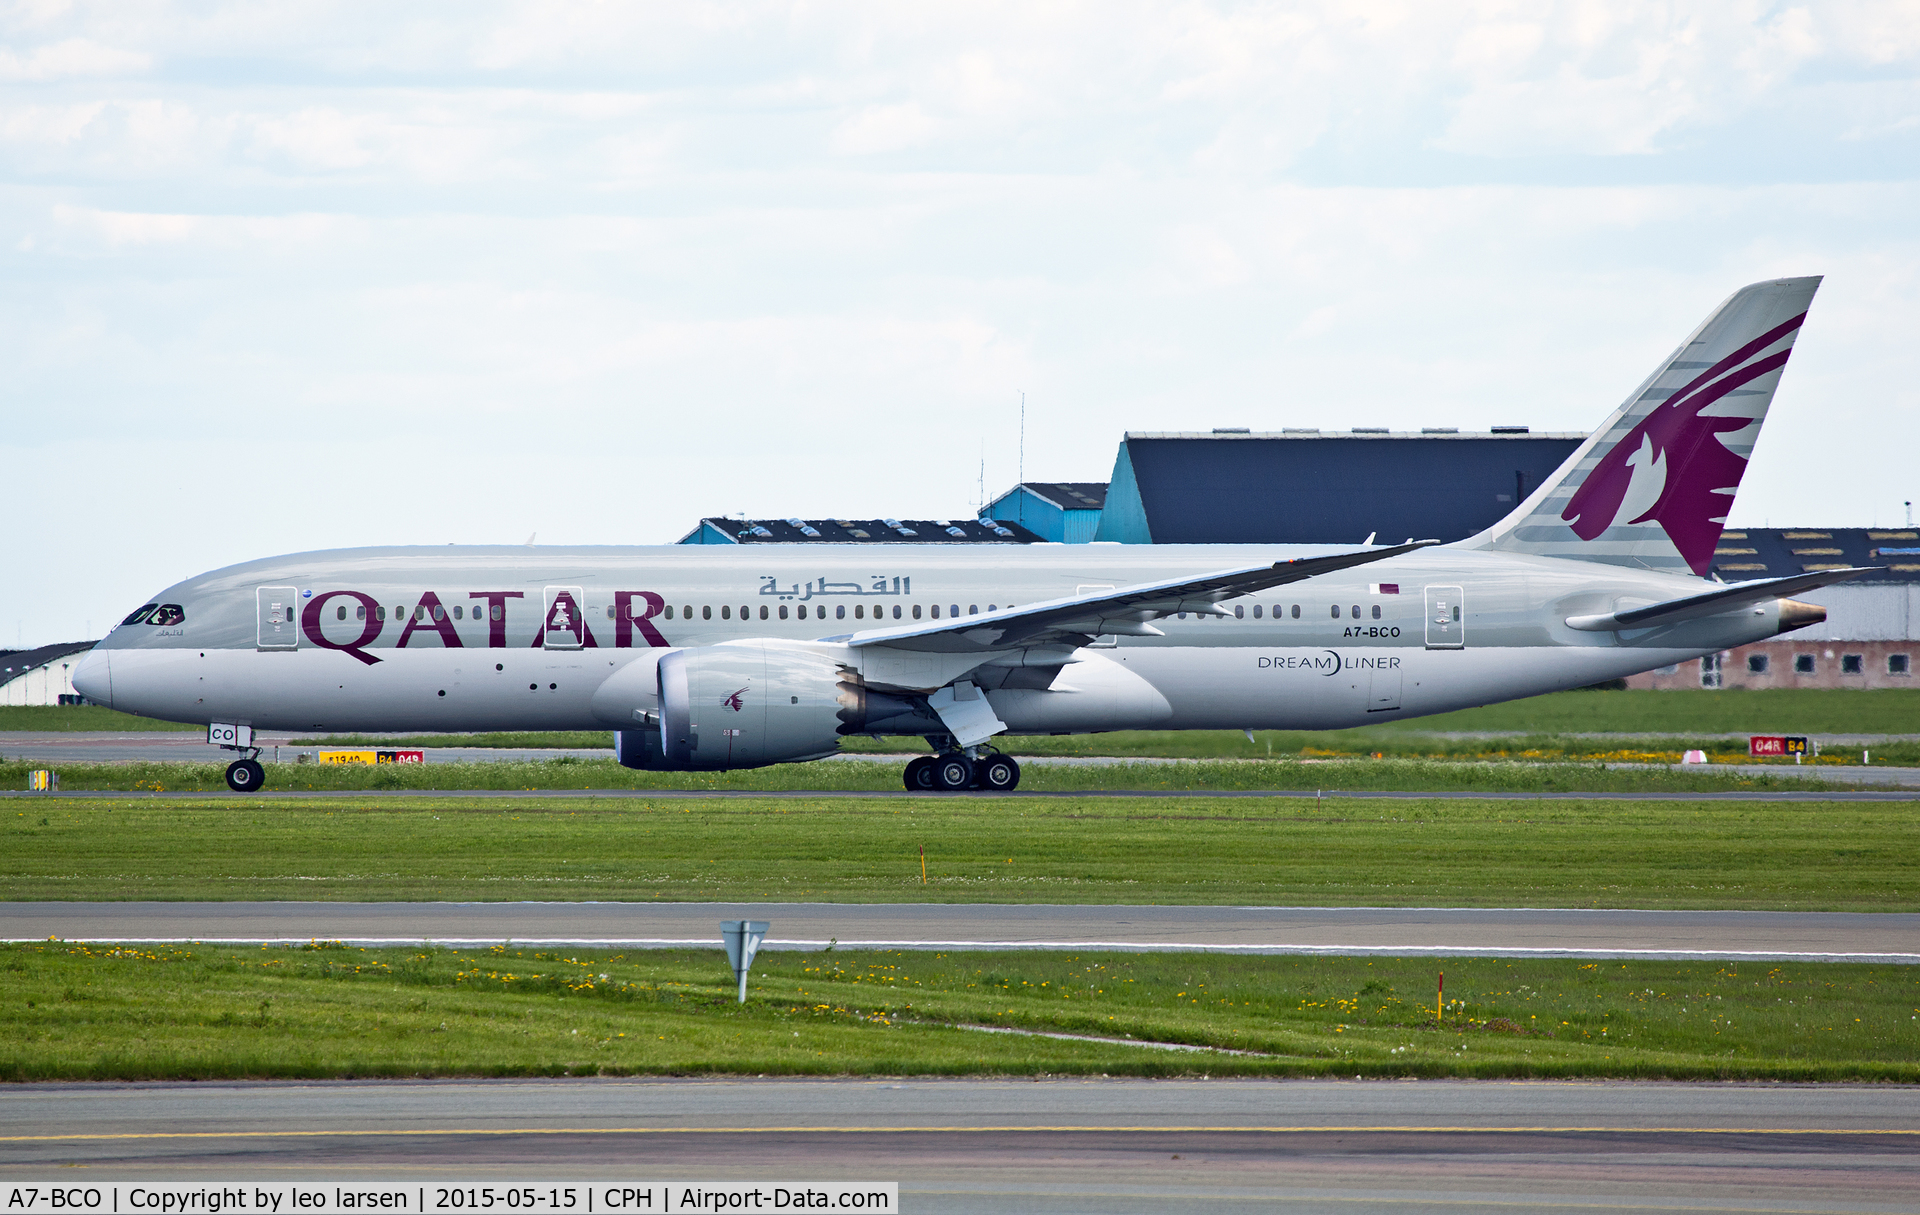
(1712, 603)
(1127, 610)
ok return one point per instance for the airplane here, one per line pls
(712, 658)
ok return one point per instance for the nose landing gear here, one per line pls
(246, 776)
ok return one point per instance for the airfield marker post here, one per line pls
(923, 864)
(742, 939)
(1440, 1000)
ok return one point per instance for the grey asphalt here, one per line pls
(1093, 1145)
(1387, 931)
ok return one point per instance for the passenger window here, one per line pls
(1256, 611)
(379, 612)
(839, 611)
(1181, 616)
(439, 613)
(859, 611)
(340, 613)
(896, 611)
(973, 609)
(1296, 611)
(745, 611)
(935, 609)
(783, 611)
(1376, 611)
(1239, 612)
(669, 612)
(460, 613)
(1336, 611)
(140, 614)
(953, 609)
(993, 607)
(686, 612)
(360, 613)
(497, 612)
(726, 612)
(916, 611)
(1356, 611)
(609, 611)
(763, 611)
(706, 611)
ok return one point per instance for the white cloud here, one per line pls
(74, 58)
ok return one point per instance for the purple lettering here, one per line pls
(496, 615)
(564, 613)
(430, 615)
(310, 625)
(625, 622)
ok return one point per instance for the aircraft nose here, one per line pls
(93, 678)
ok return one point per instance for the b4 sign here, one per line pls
(1776, 744)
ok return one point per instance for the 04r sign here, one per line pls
(1776, 744)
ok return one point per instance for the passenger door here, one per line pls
(1446, 618)
(277, 608)
(566, 619)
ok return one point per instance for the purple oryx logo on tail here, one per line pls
(733, 701)
(1672, 468)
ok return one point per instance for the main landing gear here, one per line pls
(955, 770)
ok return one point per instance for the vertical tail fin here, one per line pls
(1652, 487)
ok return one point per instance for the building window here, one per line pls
(1803, 664)
(1897, 665)
(1756, 664)
(1852, 664)
(1710, 671)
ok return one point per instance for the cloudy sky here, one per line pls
(286, 276)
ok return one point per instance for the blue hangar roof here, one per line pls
(1322, 487)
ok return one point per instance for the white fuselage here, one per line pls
(452, 639)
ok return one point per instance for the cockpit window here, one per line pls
(167, 613)
(140, 614)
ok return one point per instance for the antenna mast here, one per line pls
(1023, 438)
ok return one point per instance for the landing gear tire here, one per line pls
(245, 776)
(919, 774)
(952, 772)
(998, 774)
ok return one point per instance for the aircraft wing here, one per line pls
(1712, 603)
(1127, 611)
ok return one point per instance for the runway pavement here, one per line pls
(1024, 1146)
(1387, 931)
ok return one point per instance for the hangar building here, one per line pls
(1317, 487)
(42, 676)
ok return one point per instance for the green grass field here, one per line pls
(75, 1012)
(1512, 775)
(1847, 856)
(1777, 711)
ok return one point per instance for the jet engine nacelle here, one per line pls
(740, 704)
